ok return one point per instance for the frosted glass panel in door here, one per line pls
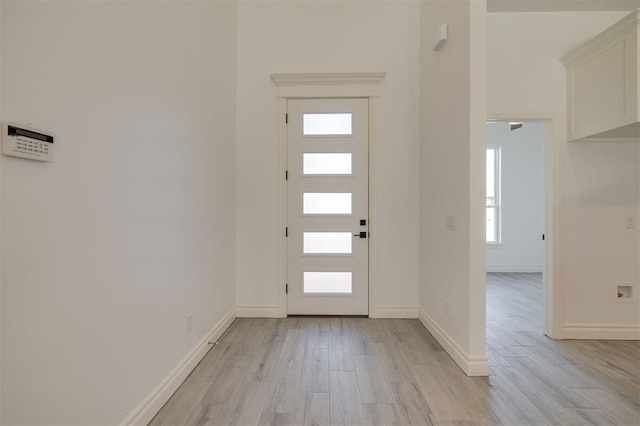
(326, 203)
(326, 163)
(327, 242)
(327, 124)
(327, 282)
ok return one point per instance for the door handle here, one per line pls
(362, 234)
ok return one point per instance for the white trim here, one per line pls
(498, 6)
(515, 269)
(323, 79)
(597, 44)
(245, 311)
(373, 212)
(553, 144)
(601, 139)
(282, 207)
(147, 410)
(472, 366)
(397, 312)
(494, 246)
(601, 331)
(328, 85)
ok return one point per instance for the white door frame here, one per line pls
(318, 86)
(552, 286)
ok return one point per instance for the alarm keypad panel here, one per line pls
(26, 142)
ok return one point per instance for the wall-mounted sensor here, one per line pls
(19, 140)
(443, 35)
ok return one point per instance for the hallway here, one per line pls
(316, 371)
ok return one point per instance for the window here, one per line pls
(493, 195)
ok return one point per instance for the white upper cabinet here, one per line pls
(603, 84)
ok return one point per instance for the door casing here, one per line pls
(322, 86)
(552, 284)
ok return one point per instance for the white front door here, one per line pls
(327, 213)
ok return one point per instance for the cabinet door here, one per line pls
(602, 85)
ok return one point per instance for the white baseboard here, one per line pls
(517, 269)
(601, 331)
(472, 366)
(143, 414)
(396, 312)
(245, 311)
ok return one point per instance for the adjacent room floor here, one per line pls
(358, 371)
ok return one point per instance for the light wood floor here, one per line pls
(358, 371)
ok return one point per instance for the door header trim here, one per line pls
(328, 85)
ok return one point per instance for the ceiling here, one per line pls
(560, 5)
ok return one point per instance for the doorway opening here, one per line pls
(521, 224)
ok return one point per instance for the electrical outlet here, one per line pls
(630, 221)
(189, 323)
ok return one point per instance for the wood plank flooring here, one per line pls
(358, 371)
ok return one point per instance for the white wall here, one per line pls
(521, 198)
(296, 37)
(598, 181)
(452, 288)
(0, 224)
(601, 189)
(131, 227)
